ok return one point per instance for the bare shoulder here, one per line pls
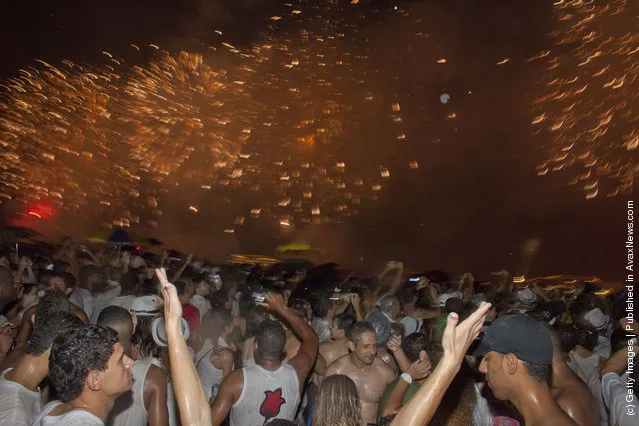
(383, 370)
(339, 365)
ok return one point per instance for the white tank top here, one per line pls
(266, 395)
(129, 407)
(210, 376)
(71, 418)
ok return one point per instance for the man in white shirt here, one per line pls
(200, 298)
(89, 369)
(20, 400)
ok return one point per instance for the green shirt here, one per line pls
(438, 328)
(410, 392)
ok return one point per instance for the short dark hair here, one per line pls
(181, 285)
(540, 373)
(353, 334)
(408, 294)
(254, 317)
(454, 304)
(60, 267)
(344, 321)
(413, 344)
(114, 316)
(69, 279)
(567, 336)
(586, 337)
(88, 271)
(300, 308)
(321, 306)
(52, 301)
(271, 339)
(48, 328)
(130, 283)
(44, 277)
(76, 353)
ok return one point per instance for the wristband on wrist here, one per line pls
(407, 378)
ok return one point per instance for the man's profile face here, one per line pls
(492, 366)
(118, 377)
(366, 348)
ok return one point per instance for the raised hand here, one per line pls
(420, 369)
(274, 302)
(394, 343)
(172, 305)
(7, 334)
(458, 337)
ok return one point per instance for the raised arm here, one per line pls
(307, 353)
(394, 345)
(455, 342)
(194, 408)
(416, 370)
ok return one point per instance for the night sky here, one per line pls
(474, 203)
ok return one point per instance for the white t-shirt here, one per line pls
(83, 299)
(202, 305)
(614, 393)
(18, 405)
(72, 418)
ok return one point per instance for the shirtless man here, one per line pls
(337, 347)
(517, 369)
(570, 392)
(370, 374)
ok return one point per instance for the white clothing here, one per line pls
(235, 306)
(18, 405)
(613, 389)
(83, 299)
(72, 418)
(103, 300)
(411, 325)
(123, 302)
(202, 305)
(38, 421)
(266, 395)
(588, 370)
(603, 347)
(129, 407)
(210, 376)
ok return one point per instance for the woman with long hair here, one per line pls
(337, 403)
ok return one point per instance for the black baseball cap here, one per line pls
(520, 335)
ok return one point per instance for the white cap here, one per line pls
(597, 318)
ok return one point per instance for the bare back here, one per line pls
(577, 401)
(370, 383)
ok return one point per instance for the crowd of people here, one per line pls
(91, 339)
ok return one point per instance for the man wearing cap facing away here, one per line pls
(518, 354)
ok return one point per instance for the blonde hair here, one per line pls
(337, 403)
